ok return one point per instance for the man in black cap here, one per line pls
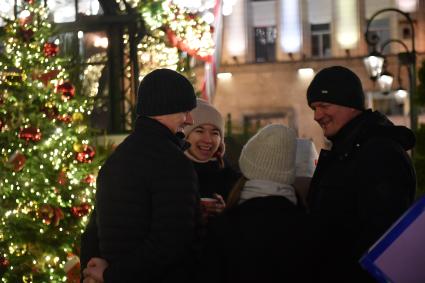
(366, 180)
(147, 201)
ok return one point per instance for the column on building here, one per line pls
(289, 29)
(347, 28)
(235, 35)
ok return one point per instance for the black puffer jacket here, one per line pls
(147, 205)
(361, 187)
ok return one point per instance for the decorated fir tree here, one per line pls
(47, 157)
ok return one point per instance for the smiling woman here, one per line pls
(206, 137)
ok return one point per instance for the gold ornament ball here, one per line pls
(77, 116)
(77, 147)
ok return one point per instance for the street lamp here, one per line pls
(374, 63)
(376, 66)
(408, 58)
(400, 93)
(385, 82)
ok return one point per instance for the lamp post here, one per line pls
(385, 79)
(374, 62)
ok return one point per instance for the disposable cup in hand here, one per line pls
(208, 202)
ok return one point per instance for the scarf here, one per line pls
(193, 158)
(264, 188)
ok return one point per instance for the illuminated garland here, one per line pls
(184, 30)
(154, 53)
(92, 74)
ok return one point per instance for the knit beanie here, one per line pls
(164, 91)
(270, 155)
(205, 113)
(337, 85)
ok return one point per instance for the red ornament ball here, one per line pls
(16, 161)
(1, 124)
(80, 210)
(4, 262)
(30, 134)
(89, 179)
(62, 178)
(50, 214)
(47, 77)
(50, 49)
(86, 155)
(65, 118)
(66, 90)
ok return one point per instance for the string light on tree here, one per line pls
(45, 191)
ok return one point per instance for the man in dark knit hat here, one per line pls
(366, 180)
(147, 203)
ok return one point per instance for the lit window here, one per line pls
(265, 44)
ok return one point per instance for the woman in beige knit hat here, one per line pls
(215, 176)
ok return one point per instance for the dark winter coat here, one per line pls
(264, 239)
(147, 205)
(360, 187)
(213, 179)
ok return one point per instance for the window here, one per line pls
(253, 122)
(380, 28)
(265, 44)
(64, 10)
(320, 40)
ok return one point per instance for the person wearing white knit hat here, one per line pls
(263, 236)
(206, 138)
(268, 162)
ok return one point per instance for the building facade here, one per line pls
(272, 49)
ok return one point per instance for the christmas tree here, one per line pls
(48, 161)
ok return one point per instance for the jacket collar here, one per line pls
(367, 125)
(144, 123)
(348, 136)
